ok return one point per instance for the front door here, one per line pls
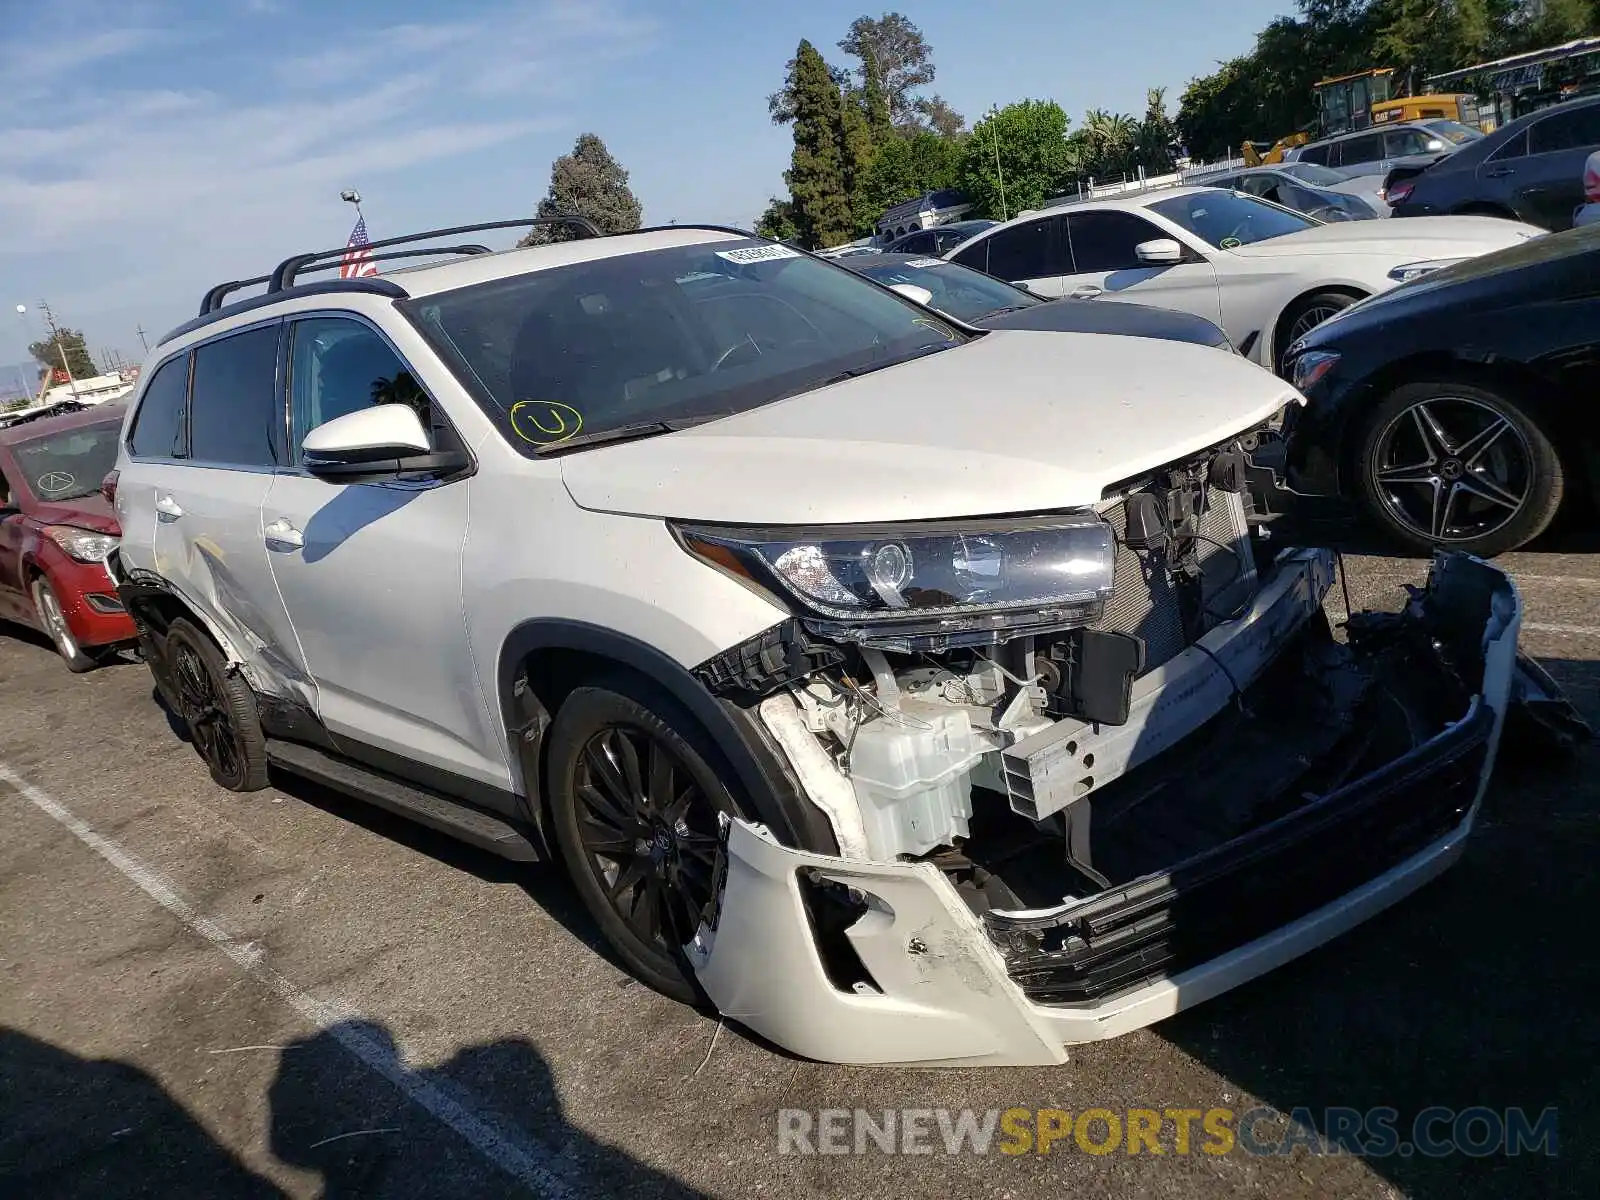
(371, 573)
(13, 607)
(1106, 266)
(1548, 183)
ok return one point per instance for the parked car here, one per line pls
(1589, 212)
(1264, 274)
(1458, 410)
(1318, 192)
(937, 240)
(21, 416)
(1377, 150)
(852, 250)
(674, 554)
(1530, 169)
(56, 530)
(989, 303)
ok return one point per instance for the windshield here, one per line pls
(677, 335)
(963, 293)
(1228, 219)
(1313, 174)
(1454, 131)
(70, 463)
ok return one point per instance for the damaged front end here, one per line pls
(1068, 833)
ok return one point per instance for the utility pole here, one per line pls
(55, 336)
(994, 130)
(142, 341)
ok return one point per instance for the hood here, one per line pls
(1011, 422)
(86, 512)
(1092, 316)
(1410, 240)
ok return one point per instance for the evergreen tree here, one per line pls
(873, 99)
(858, 150)
(586, 183)
(816, 174)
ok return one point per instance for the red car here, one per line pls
(55, 531)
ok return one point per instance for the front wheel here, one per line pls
(634, 800)
(1458, 466)
(48, 605)
(1305, 316)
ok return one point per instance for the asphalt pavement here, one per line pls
(289, 993)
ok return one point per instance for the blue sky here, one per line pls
(149, 148)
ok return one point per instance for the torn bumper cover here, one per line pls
(917, 976)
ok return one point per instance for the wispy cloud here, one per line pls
(167, 180)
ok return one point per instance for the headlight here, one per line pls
(82, 544)
(1307, 370)
(1406, 272)
(926, 586)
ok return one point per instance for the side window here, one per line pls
(339, 366)
(236, 403)
(1105, 241)
(1256, 185)
(917, 243)
(1574, 130)
(1364, 149)
(159, 426)
(1405, 141)
(1515, 147)
(976, 255)
(1315, 154)
(948, 240)
(1026, 251)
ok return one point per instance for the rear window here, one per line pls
(676, 335)
(69, 463)
(158, 429)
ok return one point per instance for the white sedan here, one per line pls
(1265, 274)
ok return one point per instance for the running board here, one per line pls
(454, 817)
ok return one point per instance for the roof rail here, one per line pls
(283, 275)
(214, 298)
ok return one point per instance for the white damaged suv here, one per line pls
(909, 692)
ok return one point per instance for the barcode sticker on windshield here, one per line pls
(751, 254)
(926, 262)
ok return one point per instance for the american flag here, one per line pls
(357, 260)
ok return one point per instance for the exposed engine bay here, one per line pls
(1189, 784)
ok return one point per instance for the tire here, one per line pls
(1500, 491)
(662, 839)
(54, 622)
(1303, 316)
(218, 708)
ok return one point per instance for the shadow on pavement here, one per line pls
(1474, 992)
(72, 1126)
(342, 1106)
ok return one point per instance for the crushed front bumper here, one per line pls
(939, 985)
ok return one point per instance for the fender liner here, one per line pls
(762, 774)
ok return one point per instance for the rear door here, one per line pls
(12, 605)
(1032, 254)
(1363, 154)
(208, 504)
(371, 574)
(1107, 267)
(1548, 182)
(157, 442)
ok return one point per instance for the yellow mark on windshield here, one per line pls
(943, 331)
(545, 422)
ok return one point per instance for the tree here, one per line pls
(940, 117)
(856, 153)
(873, 101)
(1030, 140)
(816, 174)
(586, 183)
(779, 221)
(907, 167)
(903, 57)
(69, 341)
(1156, 135)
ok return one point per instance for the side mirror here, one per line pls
(1160, 252)
(374, 443)
(911, 291)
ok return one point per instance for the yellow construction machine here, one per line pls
(1360, 100)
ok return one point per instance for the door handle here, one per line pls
(169, 508)
(1499, 172)
(1087, 292)
(282, 534)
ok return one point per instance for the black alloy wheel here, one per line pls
(1456, 466)
(635, 800)
(218, 709)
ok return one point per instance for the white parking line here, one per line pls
(524, 1161)
(1569, 630)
